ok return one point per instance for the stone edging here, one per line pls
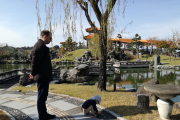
(9, 115)
(76, 98)
(100, 107)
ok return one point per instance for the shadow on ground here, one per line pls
(131, 110)
(175, 117)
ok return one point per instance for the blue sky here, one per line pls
(18, 21)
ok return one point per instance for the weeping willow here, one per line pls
(66, 13)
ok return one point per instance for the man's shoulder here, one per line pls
(39, 44)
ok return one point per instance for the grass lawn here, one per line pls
(164, 59)
(3, 116)
(71, 55)
(121, 102)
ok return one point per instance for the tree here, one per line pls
(56, 47)
(120, 44)
(80, 45)
(94, 46)
(151, 43)
(161, 44)
(68, 44)
(135, 44)
(103, 16)
(62, 51)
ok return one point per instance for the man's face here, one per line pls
(48, 39)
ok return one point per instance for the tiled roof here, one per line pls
(121, 39)
(88, 36)
(91, 29)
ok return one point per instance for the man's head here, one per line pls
(46, 36)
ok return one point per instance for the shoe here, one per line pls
(49, 116)
(93, 115)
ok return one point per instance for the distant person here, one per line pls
(41, 71)
(90, 106)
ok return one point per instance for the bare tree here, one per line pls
(152, 39)
(104, 12)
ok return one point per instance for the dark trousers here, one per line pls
(43, 88)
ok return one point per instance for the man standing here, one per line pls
(41, 71)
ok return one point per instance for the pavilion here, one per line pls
(118, 41)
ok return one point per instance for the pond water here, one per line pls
(8, 67)
(135, 77)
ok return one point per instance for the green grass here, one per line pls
(121, 102)
(163, 59)
(3, 116)
(71, 55)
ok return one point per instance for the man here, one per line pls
(41, 71)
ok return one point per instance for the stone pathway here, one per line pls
(23, 106)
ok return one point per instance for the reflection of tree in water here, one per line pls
(168, 78)
(135, 81)
(138, 76)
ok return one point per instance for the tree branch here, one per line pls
(85, 8)
(94, 4)
(109, 9)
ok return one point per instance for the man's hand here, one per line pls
(31, 76)
(99, 112)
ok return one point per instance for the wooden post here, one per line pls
(114, 82)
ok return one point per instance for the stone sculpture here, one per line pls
(86, 57)
(117, 56)
(77, 75)
(141, 90)
(24, 78)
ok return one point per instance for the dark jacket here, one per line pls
(88, 103)
(41, 67)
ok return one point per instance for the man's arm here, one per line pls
(37, 57)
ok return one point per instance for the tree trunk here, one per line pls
(103, 47)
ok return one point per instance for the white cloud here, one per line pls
(160, 29)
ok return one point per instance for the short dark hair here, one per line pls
(45, 32)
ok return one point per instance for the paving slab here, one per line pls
(16, 105)
(81, 116)
(11, 95)
(3, 101)
(63, 105)
(34, 98)
(31, 112)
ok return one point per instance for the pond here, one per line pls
(135, 77)
(8, 67)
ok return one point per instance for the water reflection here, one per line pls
(8, 67)
(137, 76)
(133, 78)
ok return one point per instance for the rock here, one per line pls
(81, 67)
(63, 75)
(77, 59)
(76, 75)
(141, 90)
(24, 79)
